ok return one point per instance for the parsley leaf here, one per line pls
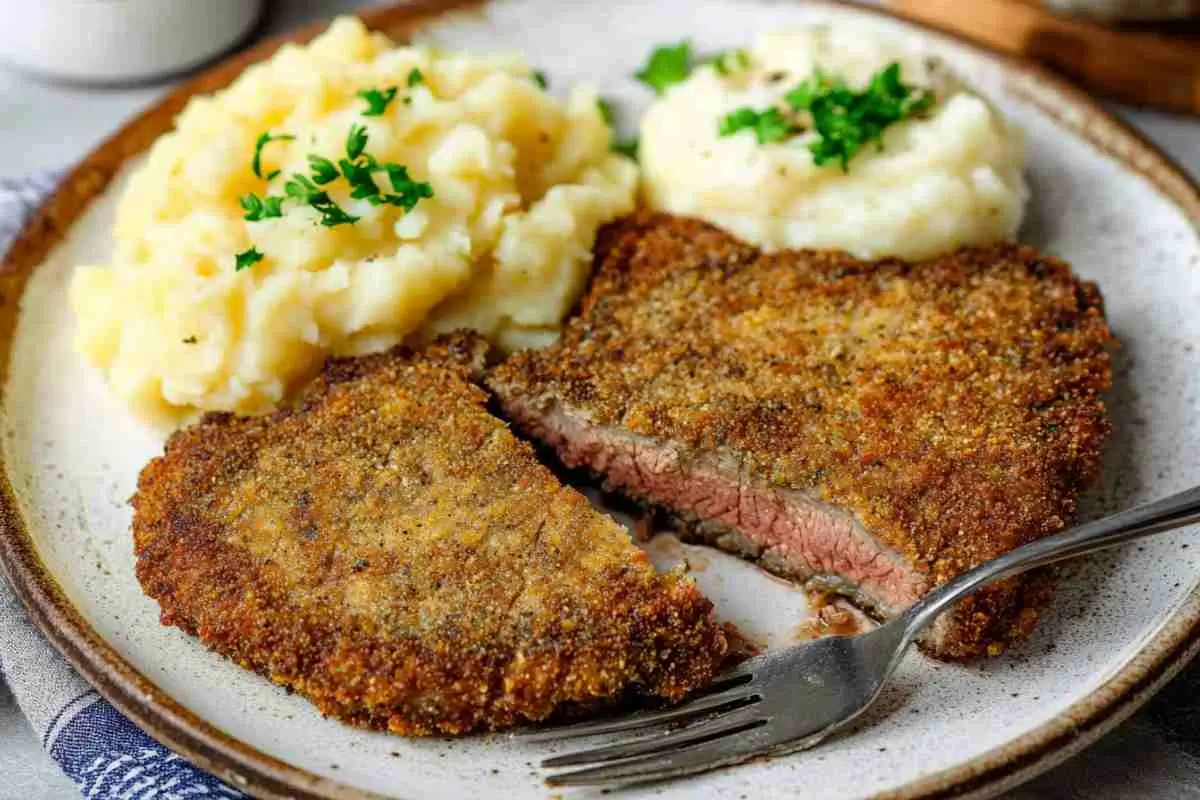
(731, 61)
(378, 99)
(667, 66)
(848, 121)
(415, 77)
(323, 170)
(540, 79)
(356, 141)
(302, 189)
(626, 147)
(263, 140)
(406, 192)
(769, 126)
(260, 208)
(845, 120)
(246, 258)
(331, 213)
(606, 110)
(359, 177)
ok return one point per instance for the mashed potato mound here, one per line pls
(521, 182)
(949, 178)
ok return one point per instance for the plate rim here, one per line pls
(1164, 654)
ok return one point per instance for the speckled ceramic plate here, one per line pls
(1124, 623)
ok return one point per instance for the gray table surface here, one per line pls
(1154, 755)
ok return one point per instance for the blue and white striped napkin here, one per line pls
(106, 755)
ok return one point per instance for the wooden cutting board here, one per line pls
(1157, 67)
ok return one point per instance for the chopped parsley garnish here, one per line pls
(263, 140)
(540, 79)
(626, 147)
(247, 258)
(406, 192)
(358, 175)
(302, 189)
(731, 61)
(358, 168)
(323, 170)
(606, 110)
(331, 213)
(845, 120)
(379, 99)
(667, 66)
(192, 339)
(356, 141)
(768, 126)
(260, 208)
(415, 77)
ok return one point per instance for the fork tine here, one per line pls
(700, 757)
(722, 725)
(731, 698)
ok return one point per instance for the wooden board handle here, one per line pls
(1136, 66)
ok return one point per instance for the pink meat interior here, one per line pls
(812, 539)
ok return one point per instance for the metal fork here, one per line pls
(791, 699)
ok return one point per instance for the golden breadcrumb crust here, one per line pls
(391, 551)
(953, 406)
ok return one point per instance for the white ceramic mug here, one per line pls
(115, 41)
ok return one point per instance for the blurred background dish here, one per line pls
(1154, 64)
(1126, 10)
(120, 41)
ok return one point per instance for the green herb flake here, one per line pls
(246, 259)
(379, 99)
(260, 208)
(731, 62)
(331, 213)
(358, 175)
(323, 170)
(540, 79)
(606, 110)
(406, 192)
(667, 66)
(415, 77)
(302, 189)
(848, 120)
(769, 126)
(356, 141)
(626, 147)
(191, 339)
(263, 140)
(845, 120)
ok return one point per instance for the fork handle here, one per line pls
(1159, 516)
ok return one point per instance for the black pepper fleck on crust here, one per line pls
(953, 406)
(392, 552)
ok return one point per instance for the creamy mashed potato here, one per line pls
(950, 177)
(520, 183)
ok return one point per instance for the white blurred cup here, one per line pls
(120, 41)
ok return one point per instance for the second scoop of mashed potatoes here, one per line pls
(950, 177)
(521, 182)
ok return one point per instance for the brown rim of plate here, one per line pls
(244, 767)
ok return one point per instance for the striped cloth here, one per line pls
(107, 756)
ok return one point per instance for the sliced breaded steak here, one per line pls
(877, 428)
(390, 550)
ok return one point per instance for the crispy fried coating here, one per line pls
(391, 551)
(952, 406)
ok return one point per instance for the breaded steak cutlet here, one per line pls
(391, 551)
(874, 428)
